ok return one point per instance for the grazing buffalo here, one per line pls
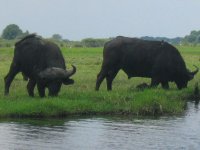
(42, 62)
(157, 60)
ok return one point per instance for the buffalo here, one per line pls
(157, 60)
(42, 62)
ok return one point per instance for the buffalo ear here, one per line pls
(190, 77)
(68, 81)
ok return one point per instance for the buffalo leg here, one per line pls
(30, 87)
(100, 78)
(154, 82)
(41, 89)
(9, 77)
(165, 85)
(25, 78)
(109, 78)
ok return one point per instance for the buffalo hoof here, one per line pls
(5, 94)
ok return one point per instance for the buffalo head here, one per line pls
(182, 83)
(53, 77)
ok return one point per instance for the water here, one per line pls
(103, 133)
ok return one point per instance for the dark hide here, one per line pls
(42, 63)
(157, 60)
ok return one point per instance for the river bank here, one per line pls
(149, 102)
(104, 132)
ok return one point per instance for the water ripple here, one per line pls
(104, 133)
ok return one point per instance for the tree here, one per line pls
(198, 39)
(57, 37)
(193, 38)
(11, 32)
(90, 42)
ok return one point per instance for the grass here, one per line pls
(81, 99)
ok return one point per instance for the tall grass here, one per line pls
(81, 98)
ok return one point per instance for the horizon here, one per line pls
(77, 20)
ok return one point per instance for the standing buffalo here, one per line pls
(42, 62)
(157, 60)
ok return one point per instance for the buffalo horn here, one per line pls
(56, 73)
(71, 72)
(194, 72)
(191, 74)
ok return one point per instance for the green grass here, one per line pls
(81, 99)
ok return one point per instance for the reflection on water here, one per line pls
(101, 133)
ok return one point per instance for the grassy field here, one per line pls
(81, 99)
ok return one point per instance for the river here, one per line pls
(103, 133)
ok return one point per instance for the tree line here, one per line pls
(13, 33)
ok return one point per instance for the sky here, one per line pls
(79, 19)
